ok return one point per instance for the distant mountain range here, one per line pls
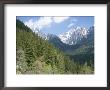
(73, 39)
(73, 36)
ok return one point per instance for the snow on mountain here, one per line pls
(71, 37)
(74, 35)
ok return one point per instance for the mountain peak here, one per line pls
(74, 35)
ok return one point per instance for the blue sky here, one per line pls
(56, 24)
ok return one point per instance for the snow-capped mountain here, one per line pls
(74, 35)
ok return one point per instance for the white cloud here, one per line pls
(60, 19)
(70, 25)
(44, 22)
(39, 24)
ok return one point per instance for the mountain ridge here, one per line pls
(74, 35)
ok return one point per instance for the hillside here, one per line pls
(35, 55)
